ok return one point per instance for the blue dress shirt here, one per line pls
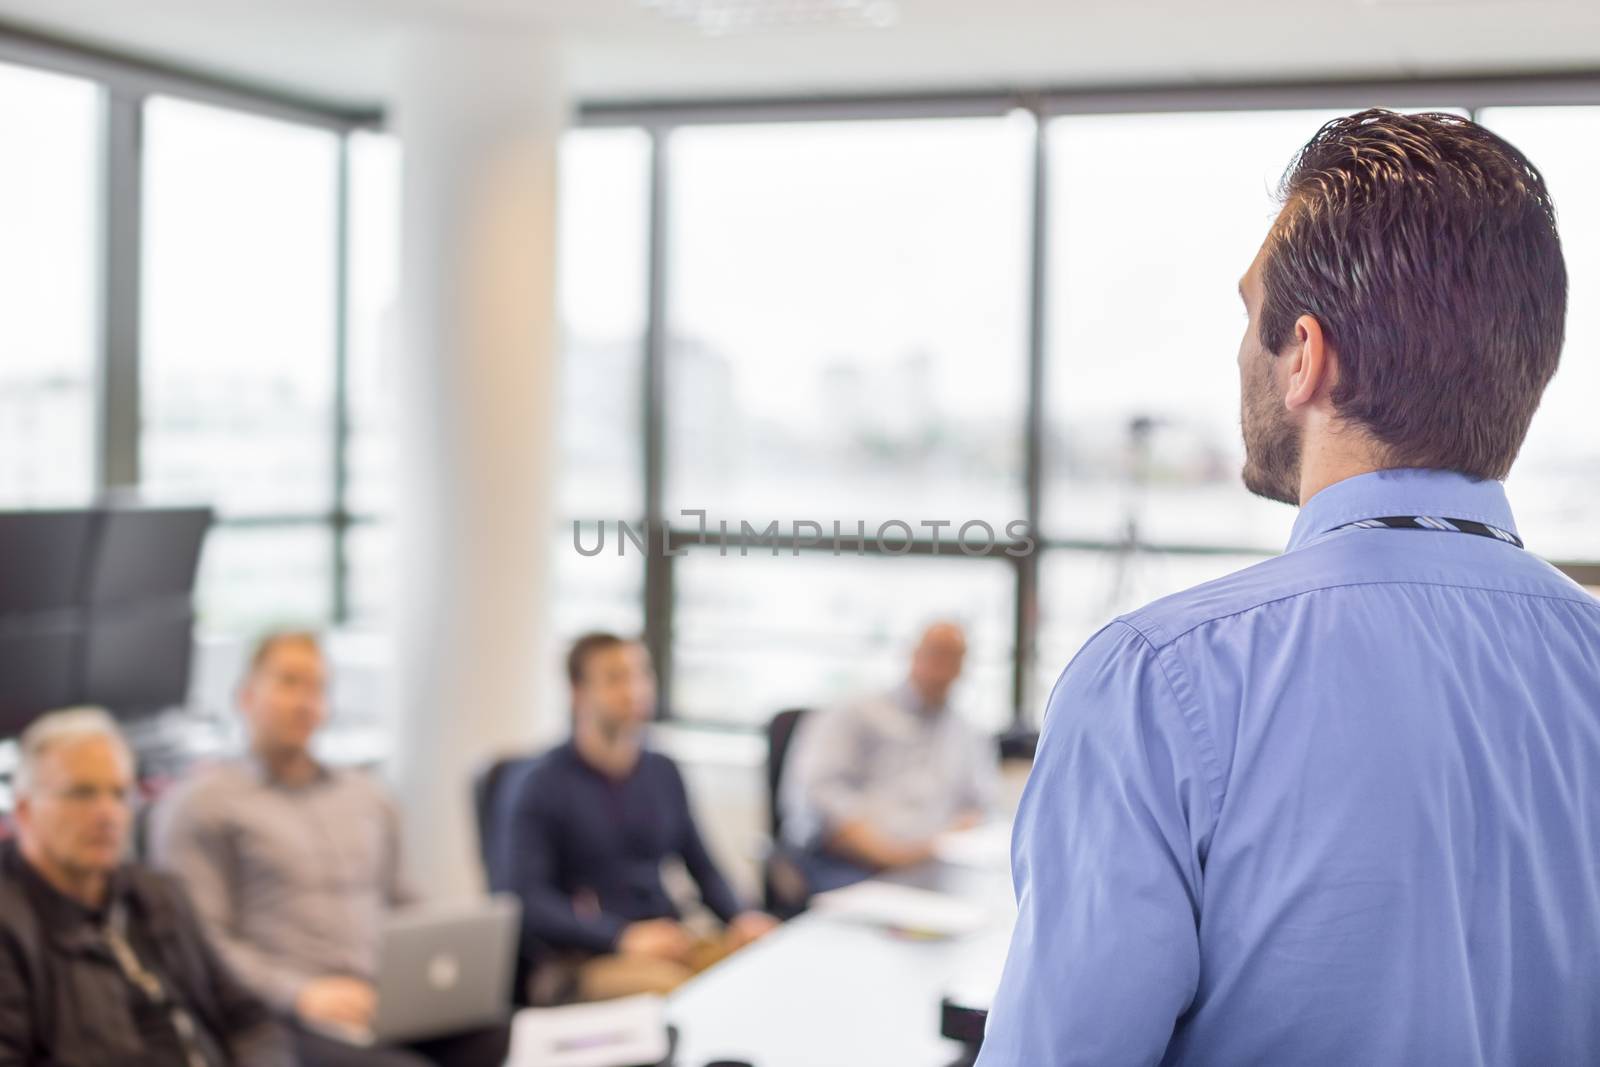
(1342, 807)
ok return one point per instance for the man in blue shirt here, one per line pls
(581, 836)
(1342, 807)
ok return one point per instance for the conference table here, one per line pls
(830, 991)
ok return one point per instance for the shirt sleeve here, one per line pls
(826, 769)
(189, 839)
(714, 888)
(1107, 860)
(528, 861)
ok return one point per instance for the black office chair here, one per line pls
(780, 734)
(1018, 743)
(486, 788)
(782, 884)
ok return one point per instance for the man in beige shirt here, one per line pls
(293, 866)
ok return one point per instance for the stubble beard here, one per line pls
(1271, 444)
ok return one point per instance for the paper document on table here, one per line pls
(985, 847)
(899, 907)
(616, 1033)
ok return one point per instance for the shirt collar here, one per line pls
(1405, 491)
(262, 774)
(907, 697)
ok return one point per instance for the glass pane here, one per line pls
(604, 591)
(758, 634)
(253, 578)
(370, 556)
(373, 287)
(1555, 485)
(848, 312)
(48, 287)
(1079, 592)
(1142, 388)
(239, 259)
(604, 244)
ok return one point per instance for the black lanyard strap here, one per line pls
(1429, 522)
(151, 986)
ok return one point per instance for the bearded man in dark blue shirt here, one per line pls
(582, 833)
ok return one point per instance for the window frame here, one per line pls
(126, 84)
(668, 537)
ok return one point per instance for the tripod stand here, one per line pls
(1130, 550)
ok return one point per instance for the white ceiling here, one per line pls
(340, 50)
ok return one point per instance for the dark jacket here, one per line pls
(65, 1003)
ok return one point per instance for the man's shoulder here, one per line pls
(536, 778)
(1349, 559)
(865, 708)
(1324, 565)
(659, 764)
(15, 906)
(206, 788)
(362, 782)
(162, 897)
(153, 887)
(22, 928)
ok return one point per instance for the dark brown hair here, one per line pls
(586, 646)
(1426, 247)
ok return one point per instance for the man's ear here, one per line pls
(1310, 364)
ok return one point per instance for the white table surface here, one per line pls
(825, 992)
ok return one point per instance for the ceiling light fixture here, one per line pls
(717, 18)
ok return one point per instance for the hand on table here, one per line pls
(968, 820)
(910, 854)
(661, 939)
(750, 926)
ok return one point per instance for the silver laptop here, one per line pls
(445, 970)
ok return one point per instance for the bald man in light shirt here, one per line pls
(872, 784)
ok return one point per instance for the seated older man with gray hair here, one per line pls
(104, 962)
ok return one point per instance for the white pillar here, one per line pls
(479, 117)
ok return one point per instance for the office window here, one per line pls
(603, 240)
(255, 578)
(601, 592)
(49, 302)
(370, 550)
(756, 634)
(372, 288)
(847, 320)
(1555, 485)
(238, 310)
(1153, 219)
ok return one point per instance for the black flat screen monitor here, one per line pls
(96, 607)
